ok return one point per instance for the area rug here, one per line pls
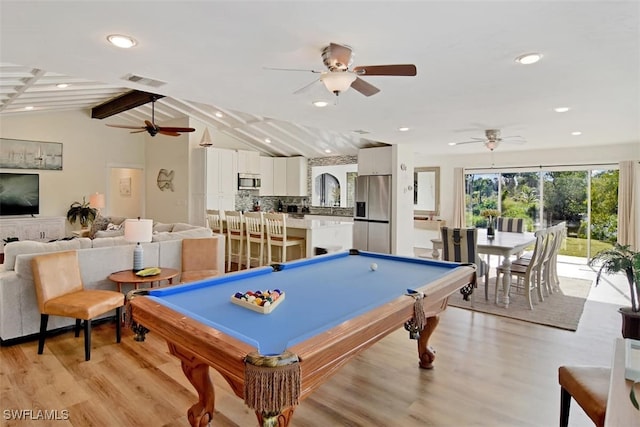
(561, 309)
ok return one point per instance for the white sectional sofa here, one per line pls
(19, 315)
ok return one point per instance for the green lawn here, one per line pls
(574, 246)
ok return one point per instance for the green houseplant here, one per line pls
(82, 212)
(621, 259)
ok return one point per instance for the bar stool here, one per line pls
(589, 386)
(235, 233)
(254, 232)
(214, 222)
(276, 226)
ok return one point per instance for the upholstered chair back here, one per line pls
(514, 225)
(56, 274)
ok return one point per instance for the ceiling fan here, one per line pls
(492, 139)
(339, 77)
(154, 129)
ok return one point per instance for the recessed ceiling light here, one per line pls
(403, 129)
(119, 40)
(529, 58)
(327, 151)
(29, 107)
(452, 143)
(561, 109)
(576, 133)
(219, 114)
(320, 104)
(267, 141)
(62, 85)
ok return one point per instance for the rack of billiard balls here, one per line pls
(260, 301)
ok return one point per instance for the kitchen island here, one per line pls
(322, 233)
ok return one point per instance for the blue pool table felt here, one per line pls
(321, 292)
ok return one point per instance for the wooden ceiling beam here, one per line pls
(125, 102)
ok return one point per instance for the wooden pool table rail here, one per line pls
(199, 346)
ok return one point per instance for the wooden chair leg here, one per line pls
(44, 319)
(78, 325)
(565, 402)
(87, 339)
(118, 324)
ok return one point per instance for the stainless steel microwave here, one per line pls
(247, 181)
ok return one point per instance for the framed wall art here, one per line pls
(19, 154)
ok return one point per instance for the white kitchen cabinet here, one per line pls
(297, 176)
(280, 176)
(222, 178)
(266, 176)
(248, 162)
(375, 161)
(42, 229)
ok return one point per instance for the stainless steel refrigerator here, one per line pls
(372, 213)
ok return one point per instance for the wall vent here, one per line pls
(360, 131)
(147, 81)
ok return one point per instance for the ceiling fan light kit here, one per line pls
(340, 77)
(337, 81)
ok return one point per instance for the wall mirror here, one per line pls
(426, 191)
(333, 185)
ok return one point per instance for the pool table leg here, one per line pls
(425, 352)
(280, 420)
(197, 372)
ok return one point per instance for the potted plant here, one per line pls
(82, 212)
(618, 259)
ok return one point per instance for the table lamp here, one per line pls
(96, 201)
(139, 231)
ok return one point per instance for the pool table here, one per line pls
(335, 306)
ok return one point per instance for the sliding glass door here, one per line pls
(585, 199)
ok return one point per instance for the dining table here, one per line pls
(504, 244)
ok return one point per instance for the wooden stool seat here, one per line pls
(589, 387)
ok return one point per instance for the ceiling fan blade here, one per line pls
(367, 89)
(305, 87)
(174, 129)
(291, 69)
(139, 131)
(386, 70)
(340, 54)
(149, 124)
(168, 133)
(467, 142)
(126, 127)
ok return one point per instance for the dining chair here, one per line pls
(276, 226)
(235, 237)
(461, 245)
(529, 275)
(199, 259)
(60, 292)
(255, 235)
(512, 225)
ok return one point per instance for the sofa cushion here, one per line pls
(108, 233)
(196, 232)
(104, 242)
(102, 222)
(181, 226)
(13, 249)
(159, 227)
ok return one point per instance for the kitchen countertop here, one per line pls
(316, 223)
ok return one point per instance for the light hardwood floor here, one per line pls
(490, 371)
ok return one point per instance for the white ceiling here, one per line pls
(212, 56)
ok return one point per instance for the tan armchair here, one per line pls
(199, 259)
(60, 292)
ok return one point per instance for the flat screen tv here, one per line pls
(19, 193)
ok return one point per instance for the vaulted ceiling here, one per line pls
(211, 61)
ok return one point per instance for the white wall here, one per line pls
(88, 148)
(610, 154)
(402, 203)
